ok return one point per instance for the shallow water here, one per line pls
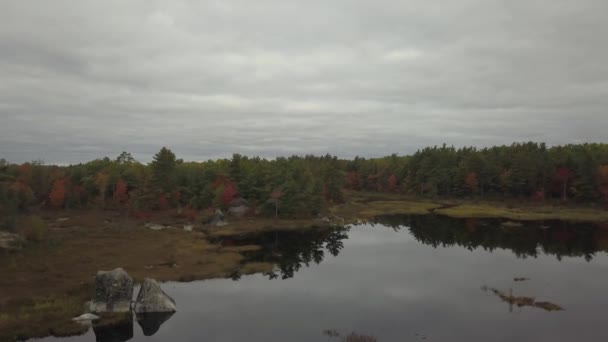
(402, 279)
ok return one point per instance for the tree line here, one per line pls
(300, 186)
(290, 187)
(522, 171)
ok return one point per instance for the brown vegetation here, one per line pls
(47, 282)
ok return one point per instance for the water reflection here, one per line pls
(121, 330)
(289, 251)
(526, 239)
(151, 322)
(117, 332)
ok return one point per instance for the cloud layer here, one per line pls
(84, 79)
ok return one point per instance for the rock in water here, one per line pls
(113, 292)
(152, 298)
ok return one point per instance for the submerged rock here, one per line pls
(150, 322)
(113, 292)
(152, 298)
(85, 317)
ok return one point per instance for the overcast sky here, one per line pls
(85, 79)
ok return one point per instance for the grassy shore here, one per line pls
(528, 213)
(47, 283)
(364, 206)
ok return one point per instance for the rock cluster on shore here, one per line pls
(114, 293)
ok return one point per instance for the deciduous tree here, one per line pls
(57, 195)
(121, 195)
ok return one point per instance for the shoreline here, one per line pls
(85, 241)
(365, 206)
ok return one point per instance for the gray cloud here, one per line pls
(84, 79)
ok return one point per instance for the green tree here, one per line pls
(163, 170)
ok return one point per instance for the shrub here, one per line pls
(34, 229)
(8, 223)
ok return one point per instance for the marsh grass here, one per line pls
(362, 206)
(527, 213)
(262, 225)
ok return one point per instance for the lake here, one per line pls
(401, 278)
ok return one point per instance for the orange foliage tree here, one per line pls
(57, 195)
(121, 195)
(392, 183)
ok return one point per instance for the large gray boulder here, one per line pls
(152, 298)
(238, 211)
(113, 292)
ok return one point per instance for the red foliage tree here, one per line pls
(353, 180)
(563, 175)
(539, 195)
(121, 195)
(163, 202)
(229, 194)
(472, 182)
(57, 195)
(392, 183)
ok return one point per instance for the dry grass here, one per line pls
(241, 249)
(261, 225)
(362, 206)
(528, 213)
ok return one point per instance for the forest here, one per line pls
(302, 186)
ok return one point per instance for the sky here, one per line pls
(84, 79)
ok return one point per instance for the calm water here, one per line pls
(402, 279)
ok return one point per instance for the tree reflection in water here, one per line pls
(528, 239)
(290, 250)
